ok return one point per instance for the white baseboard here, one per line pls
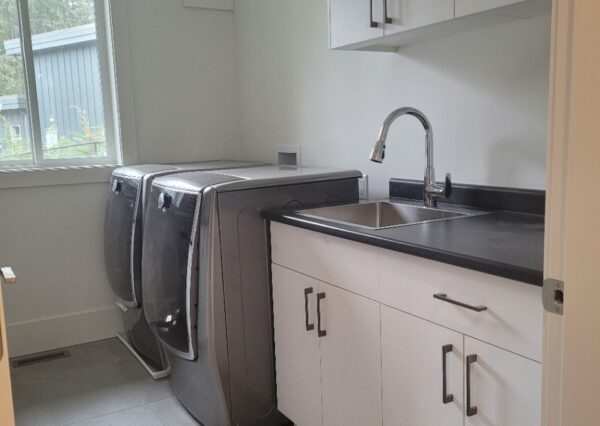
(46, 334)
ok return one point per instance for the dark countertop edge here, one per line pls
(517, 273)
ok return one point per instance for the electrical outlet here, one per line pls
(363, 187)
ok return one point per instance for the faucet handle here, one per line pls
(448, 186)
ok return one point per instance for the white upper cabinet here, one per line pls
(403, 15)
(386, 25)
(468, 7)
(354, 21)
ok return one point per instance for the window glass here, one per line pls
(67, 75)
(15, 132)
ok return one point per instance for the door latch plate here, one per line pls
(553, 295)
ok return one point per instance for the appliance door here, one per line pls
(122, 224)
(170, 268)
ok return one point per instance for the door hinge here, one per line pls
(553, 295)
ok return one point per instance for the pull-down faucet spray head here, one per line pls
(378, 153)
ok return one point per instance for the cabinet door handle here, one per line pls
(309, 326)
(320, 331)
(387, 19)
(444, 297)
(373, 24)
(471, 410)
(446, 397)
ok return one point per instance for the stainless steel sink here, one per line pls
(381, 214)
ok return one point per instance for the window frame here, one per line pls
(104, 38)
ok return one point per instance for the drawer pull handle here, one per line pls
(471, 410)
(446, 397)
(444, 297)
(320, 331)
(309, 326)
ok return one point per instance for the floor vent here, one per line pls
(41, 357)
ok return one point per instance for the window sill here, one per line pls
(26, 177)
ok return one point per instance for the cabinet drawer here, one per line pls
(345, 264)
(513, 319)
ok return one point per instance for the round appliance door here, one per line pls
(169, 268)
(121, 220)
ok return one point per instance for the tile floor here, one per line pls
(101, 384)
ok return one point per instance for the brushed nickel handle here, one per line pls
(7, 274)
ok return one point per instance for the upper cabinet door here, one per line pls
(408, 14)
(297, 359)
(468, 7)
(505, 388)
(350, 358)
(350, 21)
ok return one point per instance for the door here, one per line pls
(297, 359)
(353, 21)
(6, 402)
(170, 272)
(572, 347)
(422, 370)
(350, 357)
(501, 388)
(402, 15)
(122, 229)
(468, 7)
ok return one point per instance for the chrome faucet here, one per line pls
(431, 191)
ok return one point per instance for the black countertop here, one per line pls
(502, 243)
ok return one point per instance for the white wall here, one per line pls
(484, 91)
(184, 99)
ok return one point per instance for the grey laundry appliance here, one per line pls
(123, 251)
(206, 282)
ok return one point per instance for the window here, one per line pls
(55, 92)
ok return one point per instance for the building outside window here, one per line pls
(55, 93)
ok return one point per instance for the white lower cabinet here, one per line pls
(505, 388)
(298, 365)
(328, 370)
(416, 356)
(484, 385)
(375, 345)
(350, 359)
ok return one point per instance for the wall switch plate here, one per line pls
(363, 187)
(288, 155)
